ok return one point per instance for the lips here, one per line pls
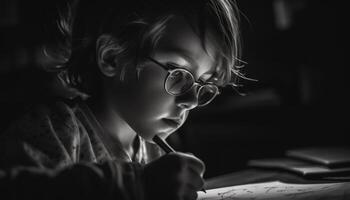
(172, 122)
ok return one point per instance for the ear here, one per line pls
(107, 52)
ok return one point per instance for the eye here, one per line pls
(207, 78)
(172, 65)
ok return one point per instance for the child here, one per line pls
(131, 70)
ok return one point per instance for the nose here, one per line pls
(188, 100)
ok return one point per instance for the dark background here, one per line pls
(295, 49)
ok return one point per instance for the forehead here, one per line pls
(182, 43)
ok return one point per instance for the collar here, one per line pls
(114, 148)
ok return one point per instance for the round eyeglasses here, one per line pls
(179, 81)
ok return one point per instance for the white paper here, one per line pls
(279, 190)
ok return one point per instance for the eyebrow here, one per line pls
(187, 56)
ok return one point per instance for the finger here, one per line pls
(197, 164)
(187, 192)
(190, 194)
(193, 160)
(200, 165)
(175, 161)
(192, 179)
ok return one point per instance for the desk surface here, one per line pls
(258, 176)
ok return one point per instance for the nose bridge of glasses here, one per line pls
(200, 85)
(195, 95)
(197, 86)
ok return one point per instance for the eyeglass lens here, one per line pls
(206, 94)
(180, 81)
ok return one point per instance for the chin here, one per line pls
(149, 137)
(162, 131)
(165, 135)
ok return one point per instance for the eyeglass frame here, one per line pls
(172, 68)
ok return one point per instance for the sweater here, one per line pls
(57, 151)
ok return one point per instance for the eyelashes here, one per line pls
(202, 79)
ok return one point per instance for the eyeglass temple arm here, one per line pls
(160, 64)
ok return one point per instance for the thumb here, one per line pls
(199, 160)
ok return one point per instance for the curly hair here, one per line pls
(137, 26)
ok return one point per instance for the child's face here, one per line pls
(144, 103)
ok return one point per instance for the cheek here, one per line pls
(154, 105)
(150, 104)
(150, 92)
(141, 99)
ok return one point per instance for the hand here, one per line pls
(174, 176)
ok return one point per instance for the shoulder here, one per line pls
(51, 115)
(47, 135)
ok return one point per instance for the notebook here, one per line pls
(277, 190)
(306, 169)
(332, 157)
(311, 162)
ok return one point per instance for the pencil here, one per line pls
(167, 148)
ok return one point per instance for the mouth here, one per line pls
(172, 122)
